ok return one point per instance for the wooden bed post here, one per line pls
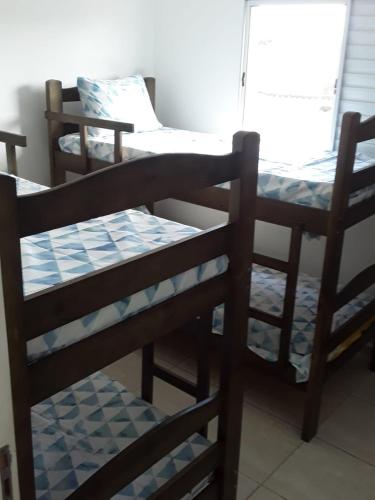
(331, 270)
(55, 129)
(242, 214)
(10, 255)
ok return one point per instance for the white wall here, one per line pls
(63, 39)
(54, 39)
(198, 67)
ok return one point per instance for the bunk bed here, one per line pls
(68, 254)
(312, 197)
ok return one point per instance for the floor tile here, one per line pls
(320, 471)
(287, 402)
(355, 378)
(352, 428)
(127, 371)
(266, 442)
(265, 494)
(246, 487)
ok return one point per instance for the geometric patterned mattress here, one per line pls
(303, 180)
(62, 254)
(81, 428)
(267, 294)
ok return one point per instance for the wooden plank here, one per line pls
(175, 380)
(76, 298)
(211, 492)
(13, 139)
(352, 325)
(265, 261)
(290, 294)
(190, 476)
(366, 130)
(111, 344)
(265, 317)
(359, 212)
(357, 285)
(314, 220)
(363, 178)
(89, 122)
(147, 450)
(131, 184)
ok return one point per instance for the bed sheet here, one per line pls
(80, 429)
(305, 181)
(267, 294)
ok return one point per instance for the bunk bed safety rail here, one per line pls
(11, 141)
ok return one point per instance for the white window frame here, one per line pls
(245, 53)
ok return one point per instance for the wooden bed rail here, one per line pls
(363, 178)
(366, 130)
(149, 449)
(121, 187)
(357, 285)
(11, 141)
(81, 296)
(96, 351)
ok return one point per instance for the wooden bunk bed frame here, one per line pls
(331, 224)
(131, 185)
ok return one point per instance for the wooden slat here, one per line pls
(359, 212)
(290, 294)
(73, 163)
(211, 492)
(175, 380)
(265, 317)
(366, 130)
(357, 285)
(92, 353)
(130, 184)
(74, 299)
(70, 94)
(314, 220)
(190, 476)
(13, 139)
(272, 263)
(147, 450)
(89, 122)
(363, 178)
(352, 325)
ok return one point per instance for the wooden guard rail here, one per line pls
(150, 447)
(11, 141)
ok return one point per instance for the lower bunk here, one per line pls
(80, 429)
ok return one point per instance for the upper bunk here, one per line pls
(294, 192)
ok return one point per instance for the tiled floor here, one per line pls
(339, 464)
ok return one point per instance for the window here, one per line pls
(292, 58)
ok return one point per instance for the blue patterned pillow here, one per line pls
(125, 100)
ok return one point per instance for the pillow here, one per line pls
(126, 100)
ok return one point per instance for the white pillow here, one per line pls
(126, 100)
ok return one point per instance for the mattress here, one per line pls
(80, 429)
(267, 294)
(60, 255)
(304, 181)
